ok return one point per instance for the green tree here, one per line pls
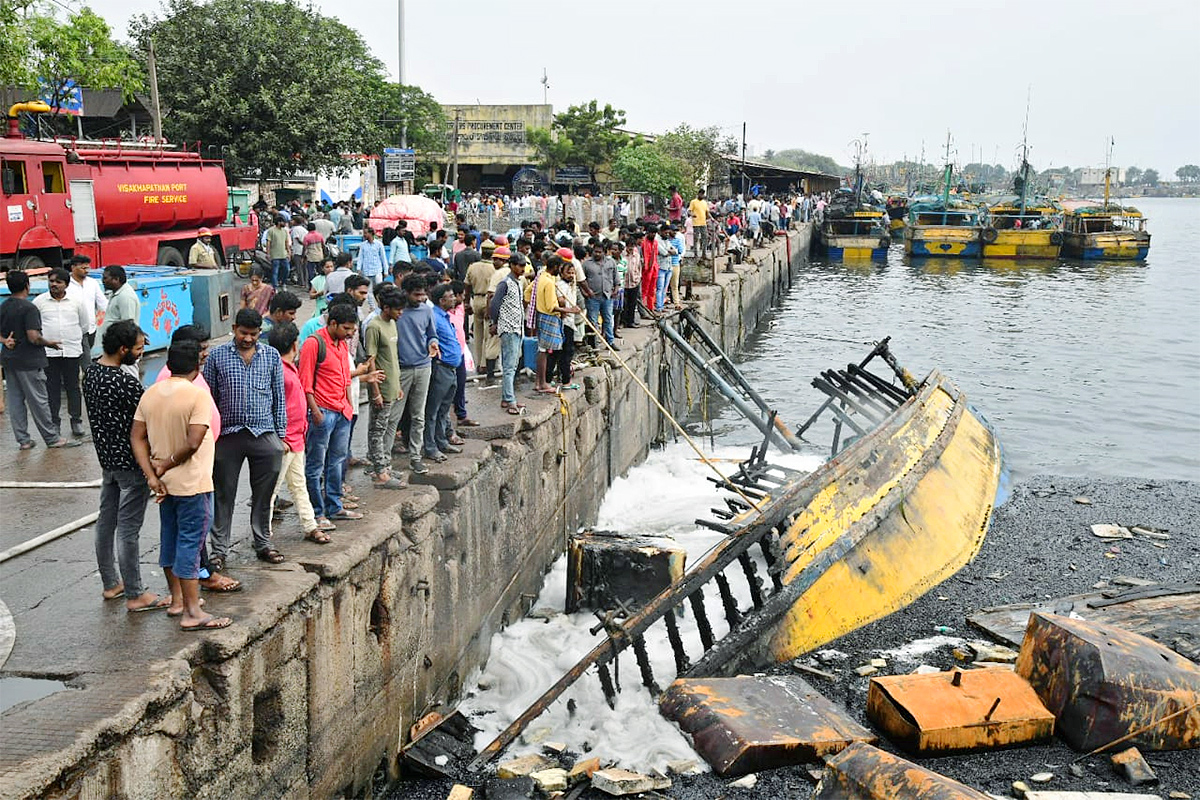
(400, 106)
(553, 151)
(700, 150)
(279, 88)
(585, 135)
(645, 167)
(44, 55)
(1150, 177)
(1188, 173)
(1133, 175)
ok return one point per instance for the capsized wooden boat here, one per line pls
(903, 504)
(1093, 231)
(903, 507)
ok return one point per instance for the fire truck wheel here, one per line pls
(170, 257)
(27, 263)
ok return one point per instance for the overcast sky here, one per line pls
(818, 75)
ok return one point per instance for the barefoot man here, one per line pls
(174, 447)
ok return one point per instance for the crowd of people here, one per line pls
(412, 319)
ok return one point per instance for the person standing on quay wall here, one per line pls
(372, 258)
(325, 375)
(112, 396)
(443, 378)
(380, 342)
(85, 288)
(245, 377)
(292, 471)
(64, 320)
(279, 249)
(209, 581)
(174, 447)
(507, 319)
(24, 360)
(416, 346)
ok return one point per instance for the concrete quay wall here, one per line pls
(337, 654)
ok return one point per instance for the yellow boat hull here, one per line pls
(897, 512)
(948, 241)
(1024, 244)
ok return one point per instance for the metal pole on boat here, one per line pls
(777, 433)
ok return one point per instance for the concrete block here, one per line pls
(525, 765)
(621, 782)
(416, 501)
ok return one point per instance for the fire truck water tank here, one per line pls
(156, 193)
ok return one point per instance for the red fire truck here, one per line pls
(117, 203)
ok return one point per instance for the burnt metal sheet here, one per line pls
(960, 710)
(862, 771)
(1103, 683)
(744, 724)
(1170, 615)
(451, 736)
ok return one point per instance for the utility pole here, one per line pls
(454, 150)
(545, 87)
(400, 65)
(743, 159)
(155, 109)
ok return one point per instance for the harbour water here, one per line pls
(1084, 368)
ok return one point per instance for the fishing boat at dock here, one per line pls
(945, 226)
(853, 233)
(1014, 227)
(1106, 231)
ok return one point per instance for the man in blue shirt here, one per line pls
(443, 378)
(416, 345)
(245, 377)
(372, 258)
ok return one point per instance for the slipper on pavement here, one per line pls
(319, 536)
(65, 443)
(208, 624)
(157, 605)
(233, 585)
(390, 483)
(468, 423)
(270, 555)
(344, 514)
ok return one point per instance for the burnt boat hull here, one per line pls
(898, 511)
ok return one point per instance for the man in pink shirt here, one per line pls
(283, 338)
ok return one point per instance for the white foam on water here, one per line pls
(661, 497)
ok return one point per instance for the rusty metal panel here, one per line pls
(861, 771)
(1103, 683)
(745, 724)
(1170, 615)
(960, 710)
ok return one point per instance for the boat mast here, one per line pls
(1025, 157)
(1108, 171)
(946, 182)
